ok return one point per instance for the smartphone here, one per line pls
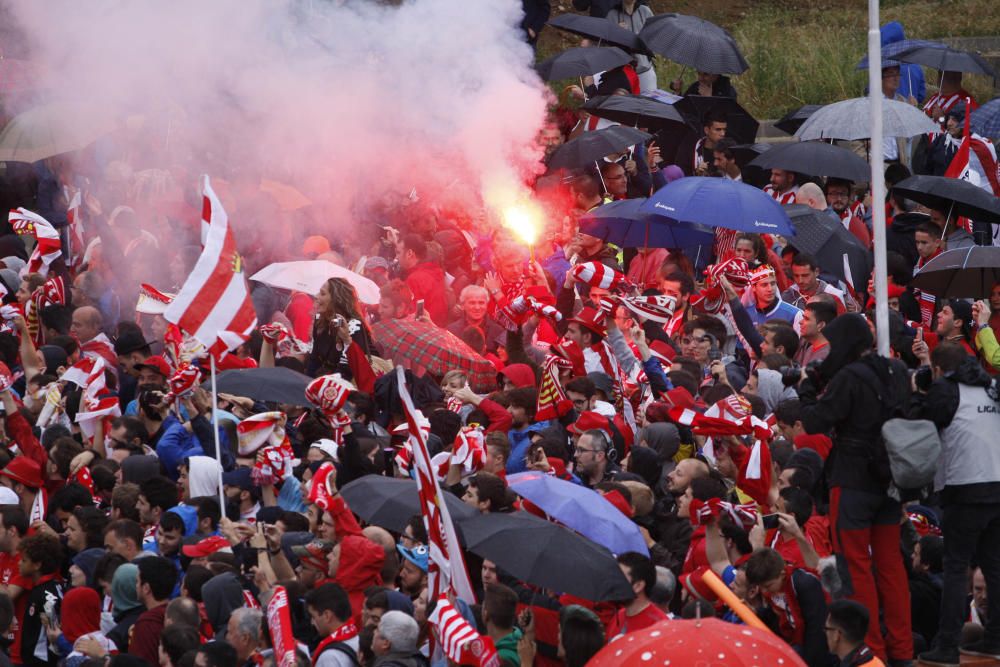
(920, 333)
(770, 521)
(420, 308)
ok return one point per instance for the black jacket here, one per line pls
(44, 598)
(899, 236)
(536, 13)
(862, 390)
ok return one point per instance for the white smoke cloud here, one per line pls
(345, 100)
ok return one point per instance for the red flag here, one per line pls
(214, 305)
(755, 475)
(279, 622)
(447, 565)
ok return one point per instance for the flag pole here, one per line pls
(878, 178)
(215, 429)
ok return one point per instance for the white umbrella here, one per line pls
(309, 276)
(52, 129)
(850, 120)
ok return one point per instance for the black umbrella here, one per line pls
(816, 158)
(822, 235)
(741, 126)
(635, 110)
(391, 502)
(602, 30)
(947, 60)
(963, 273)
(745, 154)
(694, 42)
(546, 554)
(581, 61)
(951, 196)
(274, 385)
(592, 146)
(793, 120)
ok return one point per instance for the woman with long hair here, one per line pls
(339, 320)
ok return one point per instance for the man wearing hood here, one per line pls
(963, 403)
(860, 391)
(911, 77)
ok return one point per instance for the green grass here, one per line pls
(805, 51)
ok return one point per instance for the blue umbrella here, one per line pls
(621, 223)
(581, 509)
(719, 202)
(985, 120)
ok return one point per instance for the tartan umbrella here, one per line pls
(415, 344)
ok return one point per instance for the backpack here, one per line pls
(914, 447)
(342, 647)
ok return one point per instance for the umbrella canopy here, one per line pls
(310, 275)
(985, 121)
(581, 509)
(947, 60)
(890, 51)
(52, 129)
(546, 554)
(816, 158)
(391, 502)
(822, 235)
(719, 202)
(694, 42)
(850, 120)
(745, 154)
(963, 273)
(793, 120)
(273, 385)
(415, 344)
(951, 195)
(592, 146)
(621, 223)
(706, 641)
(604, 31)
(740, 125)
(635, 110)
(581, 61)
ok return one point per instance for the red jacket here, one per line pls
(426, 281)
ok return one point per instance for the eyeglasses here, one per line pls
(114, 442)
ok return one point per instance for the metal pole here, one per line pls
(878, 178)
(215, 428)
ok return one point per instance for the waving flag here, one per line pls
(461, 642)
(97, 402)
(48, 247)
(975, 160)
(214, 305)
(447, 566)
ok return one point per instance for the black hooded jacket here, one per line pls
(862, 391)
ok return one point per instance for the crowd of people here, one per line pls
(727, 401)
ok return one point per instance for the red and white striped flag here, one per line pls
(599, 275)
(74, 224)
(48, 247)
(214, 305)
(447, 566)
(461, 642)
(97, 402)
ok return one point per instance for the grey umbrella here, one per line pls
(951, 195)
(694, 42)
(890, 51)
(604, 31)
(965, 273)
(592, 146)
(947, 60)
(635, 110)
(815, 158)
(793, 120)
(850, 120)
(822, 235)
(582, 61)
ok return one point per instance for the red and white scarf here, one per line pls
(552, 400)
(264, 435)
(48, 247)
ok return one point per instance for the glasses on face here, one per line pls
(694, 341)
(579, 403)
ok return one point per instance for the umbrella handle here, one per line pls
(601, 176)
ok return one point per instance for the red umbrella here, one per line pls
(703, 642)
(415, 344)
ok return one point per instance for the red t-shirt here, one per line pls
(622, 624)
(696, 556)
(10, 574)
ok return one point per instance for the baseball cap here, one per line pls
(418, 555)
(314, 554)
(207, 547)
(24, 470)
(240, 477)
(587, 421)
(155, 363)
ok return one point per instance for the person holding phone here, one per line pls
(341, 336)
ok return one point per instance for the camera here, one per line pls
(790, 375)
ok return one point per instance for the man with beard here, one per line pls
(156, 496)
(242, 495)
(782, 188)
(853, 394)
(838, 197)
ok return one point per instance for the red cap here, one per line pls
(592, 319)
(662, 351)
(24, 470)
(679, 397)
(589, 420)
(618, 500)
(156, 363)
(314, 554)
(696, 587)
(206, 547)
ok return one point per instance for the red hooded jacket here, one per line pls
(360, 567)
